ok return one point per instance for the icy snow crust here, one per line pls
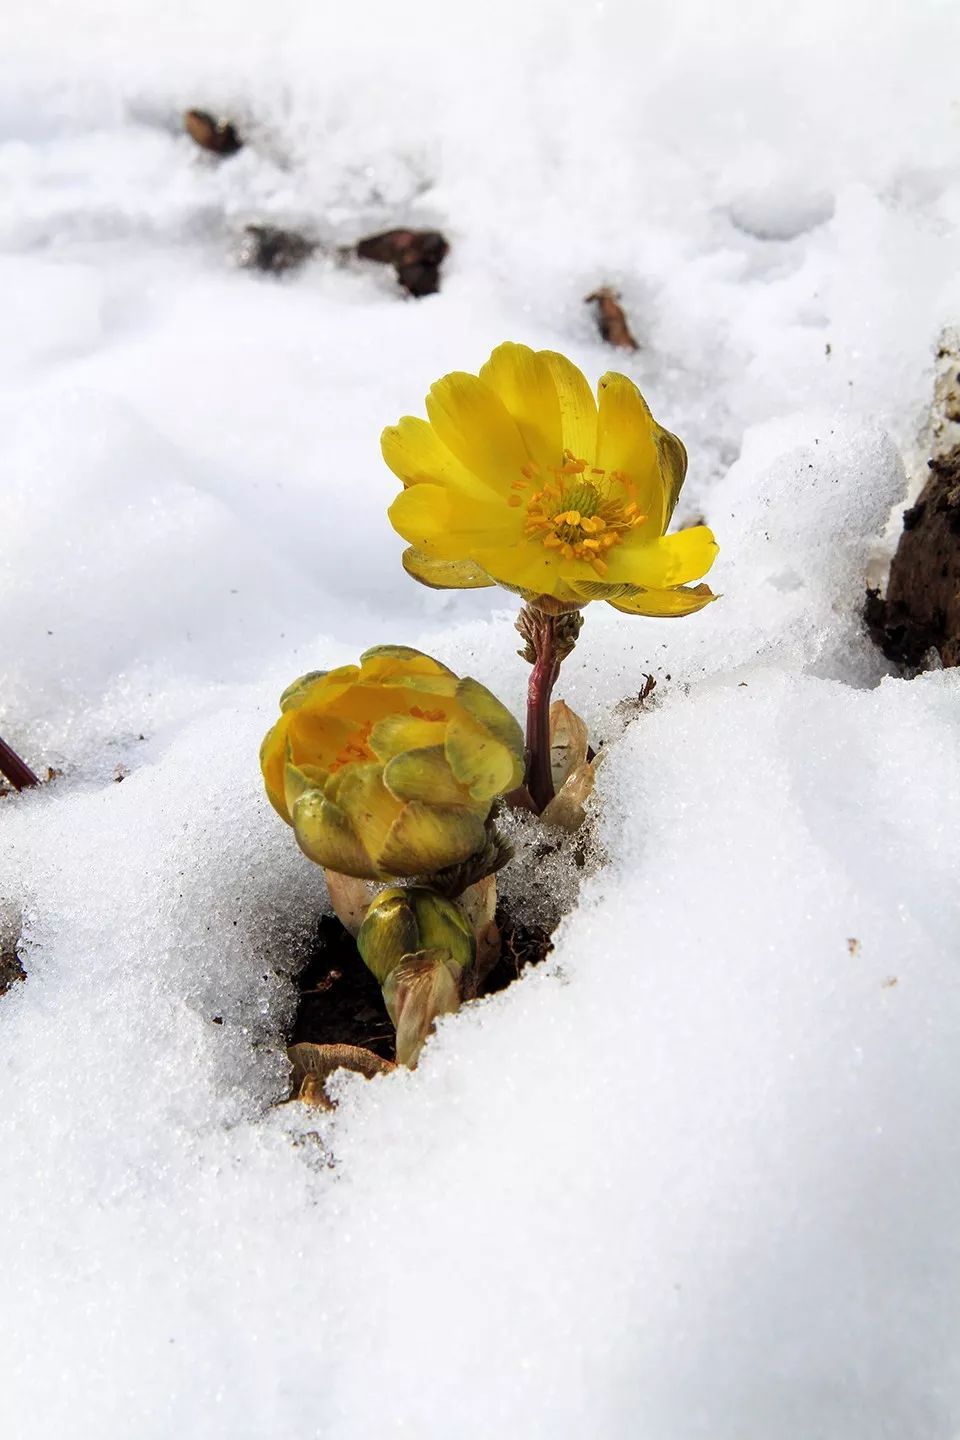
(696, 1177)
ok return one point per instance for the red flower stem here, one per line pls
(543, 677)
(19, 774)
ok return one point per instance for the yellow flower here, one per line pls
(519, 478)
(390, 767)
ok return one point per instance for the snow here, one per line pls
(697, 1175)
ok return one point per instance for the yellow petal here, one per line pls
(527, 567)
(416, 454)
(273, 759)
(666, 603)
(425, 838)
(426, 775)
(473, 422)
(297, 779)
(578, 409)
(673, 466)
(317, 736)
(626, 442)
(370, 808)
(522, 379)
(299, 690)
(428, 517)
(479, 760)
(384, 663)
(389, 671)
(658, 564)
(326, 835)
(485, 708)
(444, 574)
(396, 733)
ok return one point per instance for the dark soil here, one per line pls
(340, 1001)
(10, 970)
(274, 251)
(921, 610)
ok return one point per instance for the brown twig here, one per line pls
(16, 770)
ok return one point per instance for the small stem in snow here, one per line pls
(17, 772)
(549, 640)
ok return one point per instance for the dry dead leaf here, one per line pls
(217, 136)
(416, 256)
(611, 320)
(314, 1064)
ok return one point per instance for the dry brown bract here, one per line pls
(314, 1064)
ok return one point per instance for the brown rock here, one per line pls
(10, 970)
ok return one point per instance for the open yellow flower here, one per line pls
(520, 478)
(390, 768)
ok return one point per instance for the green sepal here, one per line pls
(425, 837)
(444, 574)
(296, 692)
(426, 775)
(485, 707)
(479, 760)
(298, 779)
(389, 931)
(326, 835)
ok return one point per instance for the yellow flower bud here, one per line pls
(420, 946)
(403, 922)
(390, 768)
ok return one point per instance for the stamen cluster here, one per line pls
(579, 516)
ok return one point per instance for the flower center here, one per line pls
(356, 750)
(431, 715)
(579, 510)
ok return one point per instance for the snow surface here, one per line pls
(698, 1175)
